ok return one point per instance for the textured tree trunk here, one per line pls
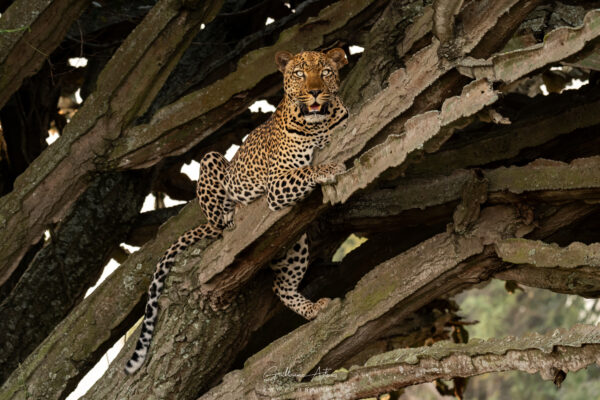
(454, 176)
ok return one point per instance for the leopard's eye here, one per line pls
(326, 72)
(299, 73)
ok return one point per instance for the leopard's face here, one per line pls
(311, 80)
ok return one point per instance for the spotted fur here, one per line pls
(274, 160)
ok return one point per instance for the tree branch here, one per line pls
(179, 126)
(227, 271)
(557, 46)
(125, 88)
(381, 291)
(572, 269)
(29, 32)
(69, 264)
(551, 355)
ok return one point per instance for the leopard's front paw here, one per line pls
(229, 226)
(328, 172)
(228, 220)
(317, 307)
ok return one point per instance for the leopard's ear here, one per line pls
(338, 56)
(282, 58)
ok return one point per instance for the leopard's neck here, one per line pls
(289, 117)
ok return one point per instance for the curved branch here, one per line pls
(558, 45)
(552, 355)
(382, 291)
(29, 32)
(572, 269)
(50, 185)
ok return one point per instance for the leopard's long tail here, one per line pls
(156, 287)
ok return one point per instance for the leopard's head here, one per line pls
(311, 80)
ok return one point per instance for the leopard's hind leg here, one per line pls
(212, 193)
(289, 271)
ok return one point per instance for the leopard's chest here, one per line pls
(296, 151)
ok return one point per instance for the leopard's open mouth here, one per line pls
(314, 109)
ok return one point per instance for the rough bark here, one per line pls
(379, 293)
(547, 256)
(173, 130)
(248, 221)
(68, 265)
(329, 350)
(557, 117)
(552, 182)
(73, 348)
(439, 125)
(278, 228)
(552, 355)
(572, 269)
(179, 126)
(444, 13)
(557, 46)
(124, 89)
(225, 275)
(29, 32)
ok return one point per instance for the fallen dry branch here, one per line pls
(29, 32)
(551, 355)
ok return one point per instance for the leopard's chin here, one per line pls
(315, 112)
(314, 118)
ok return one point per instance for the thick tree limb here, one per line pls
(68, 265)
(73, 347)
(177, 113)
(572, 269)
(422, 70)
(543, 255)
(558, 352)
(444, 12)
(441, 124)
(427, 131)
(550, 118)
(541, 179)
(253, 224)
(379, 292)
(179, 126)
(547, 175)
(128, 83)
(288, 229)
(29, 32)
(558, 45)
(274, 228)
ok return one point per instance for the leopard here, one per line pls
(274, 160)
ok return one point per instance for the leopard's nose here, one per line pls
(315, 93)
